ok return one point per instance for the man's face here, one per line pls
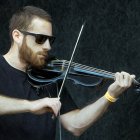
(31, 52)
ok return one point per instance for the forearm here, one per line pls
(10, 105)
(89, 114)
(81, 120)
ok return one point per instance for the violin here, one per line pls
(54, 71)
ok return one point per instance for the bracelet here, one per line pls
(110, 98)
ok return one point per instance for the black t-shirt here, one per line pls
(27, 126)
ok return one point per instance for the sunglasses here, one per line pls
(40, 38)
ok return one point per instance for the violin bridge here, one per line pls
(63, 65)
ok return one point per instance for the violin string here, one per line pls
(75, 64)
(92, 69)
(84, 67)
(81, 66)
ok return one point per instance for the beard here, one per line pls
(29, 57)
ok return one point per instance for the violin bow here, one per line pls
(71, 59)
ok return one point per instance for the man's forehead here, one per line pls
(41, 26)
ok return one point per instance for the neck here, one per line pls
(12, 57)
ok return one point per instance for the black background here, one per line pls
(110, 41)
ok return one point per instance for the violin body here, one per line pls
(50, 74)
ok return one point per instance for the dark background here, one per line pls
(110, 41)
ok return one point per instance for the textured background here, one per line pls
(110, 41)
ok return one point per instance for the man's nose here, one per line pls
(47, 45)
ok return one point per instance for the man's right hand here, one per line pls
(45, 105)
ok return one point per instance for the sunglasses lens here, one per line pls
(40, 39)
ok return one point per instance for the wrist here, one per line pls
(114, 93)
(28, 105)
(110, 98)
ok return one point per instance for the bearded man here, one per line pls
(24, 115)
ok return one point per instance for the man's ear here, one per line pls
(17, 36)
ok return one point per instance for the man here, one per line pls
(27, 115)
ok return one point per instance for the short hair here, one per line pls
(24, 16)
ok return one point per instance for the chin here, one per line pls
(39, 64)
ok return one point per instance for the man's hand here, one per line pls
(123, 81)
(45, 105)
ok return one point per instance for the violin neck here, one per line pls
(95, 73)
(83, 69)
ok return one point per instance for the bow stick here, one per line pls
(71, 59)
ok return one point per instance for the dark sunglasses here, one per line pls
(40, 38)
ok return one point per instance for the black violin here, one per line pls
(55, 70)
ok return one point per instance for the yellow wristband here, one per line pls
(110, 98)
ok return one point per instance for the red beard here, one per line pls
(30, 58)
